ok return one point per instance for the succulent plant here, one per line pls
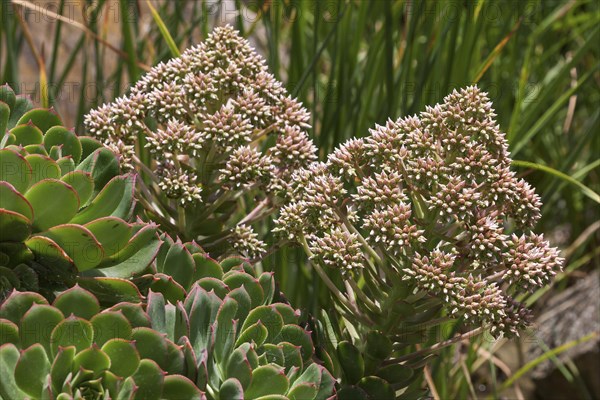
(206, 130)
(237, 341)
(419, 224)
(71, 350)
(65, 209)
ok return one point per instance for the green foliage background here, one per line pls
(354, 63)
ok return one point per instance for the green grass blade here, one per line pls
(584, 189)
(163, 30)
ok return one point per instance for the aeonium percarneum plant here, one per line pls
(420, 223)
(66, 210)
(214, 135)
(223, 337)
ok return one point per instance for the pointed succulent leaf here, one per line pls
(231, 389)
(166, 285)
(267, 380)
(178, 387)
(48, 252)
(62, 366)
(109, 291)
(302, 391)
(201, 316)
(175, 359)
(134, 313)
(22, 105)
(235, 279)
(7, 95)
(113, 233)
(244, 302)
(66, 139)
(206, 267)
(88, 146)
(239, 367)
(110, 325)
(50, 195)
(273, 354)
(9, 354)
(67, 165)
(9, 332)
(18, 303)
(255, 333)
(14, 227)
(157, 312)
(12, 200)
(225, 330)
(37, 325)
(270, 318)
(35, 149)
(292, 355)
(296, 335)
(79, 243)
(179, 264)
(31, 370)
(135, 257)
(4, 117)
(149, 379)
(124, 357)
(42, 167)
(82, 183)
(72, 331)
(41, 117)
(92, 359)
(289, 315)
(115, 199)
(150, 344)
(27, 134)
(14, 169)
(267, 282)
(214, 284)
(103, 165)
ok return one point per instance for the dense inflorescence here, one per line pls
(204, 118)
(429, 199)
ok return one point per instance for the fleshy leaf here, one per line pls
(14, 227)
(41, 117)
(31, 370)
(12, 200)
(267, 380)
(42, 167)
(115, 199)
(17, 304)
(14, 169)
(110, 325)
(123, 355)
(50, 195)
(27, 134)
(149, 379)
(37, 325)
(83, 184)
(178, 387)
(61, 136)
(109, 291)
(79, 243)
(72, 331)
(77, 301)
(9, 354)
